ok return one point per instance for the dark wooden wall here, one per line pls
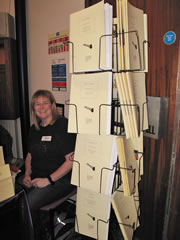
(162, 78)
(163, 16)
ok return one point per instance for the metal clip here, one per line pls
(90, 109)
(87, 45)
(93, 168)
(93, 218)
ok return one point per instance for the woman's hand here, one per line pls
(40, 182)
(27, 181)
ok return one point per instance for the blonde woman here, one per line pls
(50, 153)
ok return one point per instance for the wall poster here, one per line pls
(59, 74)
(58, 49)
(57, 42)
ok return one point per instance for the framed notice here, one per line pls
(59, 74)
(57, 42)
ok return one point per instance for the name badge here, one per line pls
(46, 138)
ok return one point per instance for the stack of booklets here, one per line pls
(132, 94)
(91, 38)
(139, 153)
(94, 54)
(128, 165)
(95, 162)
(90, 103)
(132, 37)
(137, 205)
(92, 213)
(6, 182)
(125, 200)
(90, 117)
(130, 63)
(126, 212)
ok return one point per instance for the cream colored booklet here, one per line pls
(133, 26)
(146, 44)
(95, 162)
(121, 65)
(126, 113)
(117, 118)
(137, 205)
(1, 156)
(91, 37)
(125, 211)
(138, 86)
(92, 213)
(131, 106)
(6, 183)
(132, 95)
(90, 103)
(115, 47)
(138, 148)
(128, 165)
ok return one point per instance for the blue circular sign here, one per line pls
(169, 38)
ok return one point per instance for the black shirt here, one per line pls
(48, 147)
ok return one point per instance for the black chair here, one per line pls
(54, 207)
(15, 218)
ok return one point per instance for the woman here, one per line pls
(50, 153)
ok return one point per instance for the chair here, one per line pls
(15, 218)
(52, 209)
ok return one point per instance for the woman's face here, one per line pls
(43, 109)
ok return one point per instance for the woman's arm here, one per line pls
(28, 165)
(64, 168)
(59, 173)
(27, 179)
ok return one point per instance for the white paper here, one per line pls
(90, 103)
(87, 27)
(96, 156)
(92, 214)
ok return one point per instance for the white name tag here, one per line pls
(46, 138)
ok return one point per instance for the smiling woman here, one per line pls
(50, 153)
(43, 108)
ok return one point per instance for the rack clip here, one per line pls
(88, 45)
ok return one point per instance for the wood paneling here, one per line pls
(173, 226)
(161, 81)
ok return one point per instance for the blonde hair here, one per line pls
(50, 97)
